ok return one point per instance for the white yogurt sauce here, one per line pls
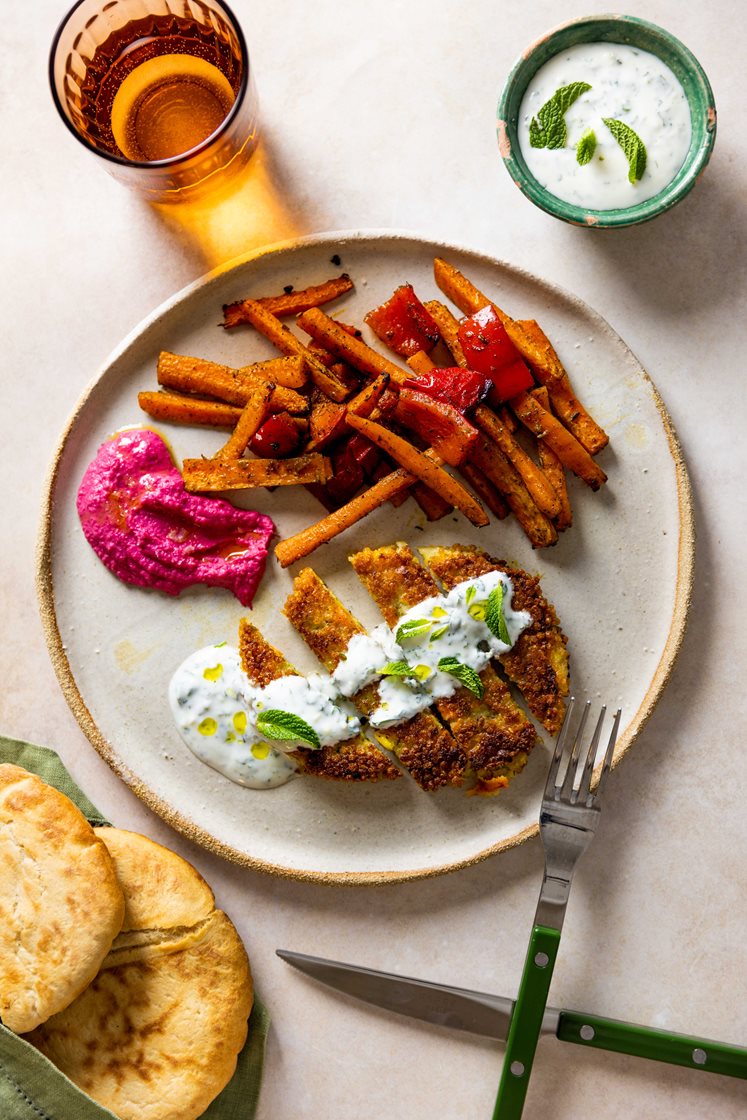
(211, 712)
(365, 655)
(455, 631)
(629, 85)
(216, 707)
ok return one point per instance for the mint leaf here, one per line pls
(494, 619)
(632, 146)
(586, 147)
(413, 628)
(463, 673)
(548, 128)
(396, 669)
(278, 726)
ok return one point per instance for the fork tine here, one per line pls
(584, 785)
(607, 759)
(559, 748)
(570, 773)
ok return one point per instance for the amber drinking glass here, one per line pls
(161, 90)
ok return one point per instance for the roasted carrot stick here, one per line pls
(425, 468)
(570, 452)
(351, 350)
(535, 480)
(554, 469)
(291, 303)
(279, 335)
(489, 458)
(252, 415)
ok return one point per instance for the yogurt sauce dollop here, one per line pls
(629, 85)
(216, 708)
(458, 630)
(207, 701)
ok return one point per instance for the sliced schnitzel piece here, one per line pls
(492, 730)
(353, 760)
(538, 663)
(422, 744)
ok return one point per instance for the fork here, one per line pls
(568, 818)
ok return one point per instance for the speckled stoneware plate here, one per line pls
(620, 579)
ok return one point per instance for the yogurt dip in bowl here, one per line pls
(606, 122)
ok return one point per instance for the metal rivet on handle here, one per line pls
(699, 1056)
(587, 1032)
(541, 960)
(517, 1069)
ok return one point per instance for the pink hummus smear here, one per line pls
(146, 528)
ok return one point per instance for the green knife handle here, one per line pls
(526, 1023)
(646, 1042)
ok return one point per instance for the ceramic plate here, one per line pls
(620, 578)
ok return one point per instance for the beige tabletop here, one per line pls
(382, 116)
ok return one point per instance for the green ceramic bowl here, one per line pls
(611, 29)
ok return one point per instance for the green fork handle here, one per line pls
(658, 1045)
(526, 1022)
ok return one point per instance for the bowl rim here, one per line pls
(527, 65)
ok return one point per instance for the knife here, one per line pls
(490, 1016)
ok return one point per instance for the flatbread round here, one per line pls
(157, 1034)
(162, 890)
(61, 905)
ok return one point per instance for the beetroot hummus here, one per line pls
(148, 530)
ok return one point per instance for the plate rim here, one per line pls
(176, 818)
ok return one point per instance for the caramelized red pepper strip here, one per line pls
(439, 424)
(461, 388)
(488, 349)
(403, 323)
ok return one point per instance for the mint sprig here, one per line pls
(413, 628)
(632, 146)
(397, 669)
(463, 673)
(586, 147)
(494, 619)
(548, 128)
(277, 726)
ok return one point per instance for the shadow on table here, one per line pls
(255, 208)
(685, 259)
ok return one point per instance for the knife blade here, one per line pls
(489, 1016)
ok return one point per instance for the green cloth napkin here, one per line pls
(31, 1088)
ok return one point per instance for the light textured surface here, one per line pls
(382, 116)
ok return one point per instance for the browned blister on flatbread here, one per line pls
(61, 905)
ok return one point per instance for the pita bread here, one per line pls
(60, 903)
(157, 1034)
(162, 890)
